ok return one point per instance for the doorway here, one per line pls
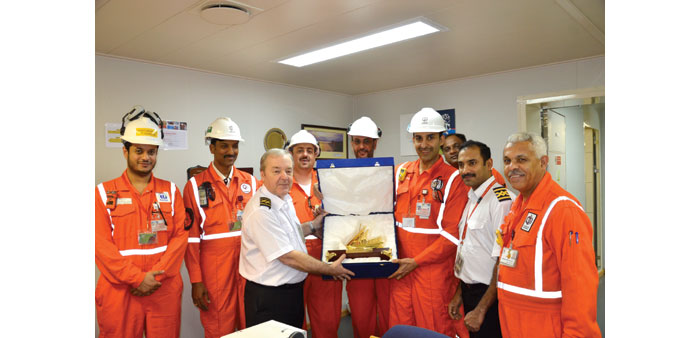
(573, 125)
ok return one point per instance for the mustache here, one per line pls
(229, 156)
(515, 172)
(468, 175)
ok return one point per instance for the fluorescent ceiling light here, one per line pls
(551, 99)
(396, 34)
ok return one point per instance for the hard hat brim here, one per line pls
(155, 142)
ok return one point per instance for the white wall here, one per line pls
(198, 98)
(486, 106)
(485, 110)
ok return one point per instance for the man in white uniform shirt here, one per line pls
(273, 256)
(477, 253)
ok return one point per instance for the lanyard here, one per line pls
(463, 235)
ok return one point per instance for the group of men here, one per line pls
(473, 259)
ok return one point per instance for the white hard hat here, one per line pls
(144, 127)
(427, 120)
(303, 136)
(365, 127)
(223, 128)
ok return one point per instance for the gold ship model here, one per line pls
(361, 246)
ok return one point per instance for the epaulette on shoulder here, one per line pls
(265, 202)
(502, 194)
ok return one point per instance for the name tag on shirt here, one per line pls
(124, 200)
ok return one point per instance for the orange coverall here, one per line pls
(555, 295)
(322, 297)
(369, 302)
(123, 262)
(213, 250)
(421, 297)
(498, 177)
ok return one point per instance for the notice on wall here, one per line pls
(113, 135)
(174, 135)
(450, 121)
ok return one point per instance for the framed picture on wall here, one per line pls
(333, 141)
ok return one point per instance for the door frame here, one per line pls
(572, 94)
(555, 97)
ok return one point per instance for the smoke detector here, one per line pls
(225, 14)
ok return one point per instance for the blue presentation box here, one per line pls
(359, 195)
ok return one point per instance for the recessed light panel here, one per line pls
(391, 35)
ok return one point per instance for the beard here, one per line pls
(140, 172)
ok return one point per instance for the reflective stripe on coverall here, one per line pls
(322, 297)
(552, 290)
(213, 250)
(123, 262)
(421, 297)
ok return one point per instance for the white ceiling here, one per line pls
(484, 36)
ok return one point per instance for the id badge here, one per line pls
(235, 226)
(158, 225)
(145, 238)
(458, 263)
(409, 222)
(509, 257)
(157, 221)
(423, 210)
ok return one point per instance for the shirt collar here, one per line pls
(276, 200)
(536, 200)
(432, 168)
(125, 184)
(313, 180)
(474, 195)
(220, 176)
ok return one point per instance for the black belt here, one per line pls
(280, 287)
(475, 286)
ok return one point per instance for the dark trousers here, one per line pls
(282, 303)
(471, 295)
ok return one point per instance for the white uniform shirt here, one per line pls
(268, 233)
(479, 249)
